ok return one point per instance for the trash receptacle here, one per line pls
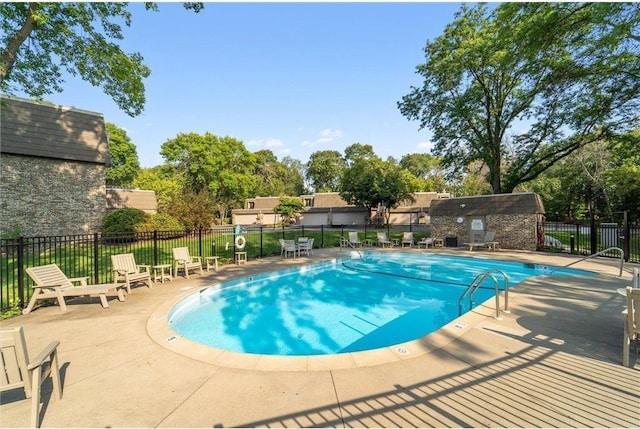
(451, 241)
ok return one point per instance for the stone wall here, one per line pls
(43, 196)
(513, 231)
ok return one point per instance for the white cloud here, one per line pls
(329, 133)
(425, 146)
(273, 142)
(269, 143)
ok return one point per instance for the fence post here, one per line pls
(200, 241)
(626, 243)
(594, 234)
(96, 265)
(155, 247)
(21, 270)
(261, 242)
(322, 236)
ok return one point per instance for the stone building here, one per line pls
(52, 173)
(513, 217)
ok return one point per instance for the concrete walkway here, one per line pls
(554, 361)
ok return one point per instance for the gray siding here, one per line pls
(49, 131)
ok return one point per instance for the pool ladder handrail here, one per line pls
(598, 254)
(477, 282)
(344, 242)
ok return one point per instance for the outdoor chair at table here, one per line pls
(125, 269)
(183, 260)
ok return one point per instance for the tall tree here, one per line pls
(427, 168)
(568, 70)
(358, 151)
(221, 166)
(38, 41)
(374, 183)
(269, 174)
(289, 209)
(324, 169)
(293, 176)
(124, 158)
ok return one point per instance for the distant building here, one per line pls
(124, 198)
(53, 164)
(331, 210)
(515, 218)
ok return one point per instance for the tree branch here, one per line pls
(9, 55)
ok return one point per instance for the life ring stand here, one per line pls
(240, 242)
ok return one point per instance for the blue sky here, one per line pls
(294, 78)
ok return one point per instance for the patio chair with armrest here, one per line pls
(383, 240)
(51, 282)
(487, 241)
(125, 269)
(182, 260)
(407, 238)
(354, 240)
(631, 317)
(19, 371)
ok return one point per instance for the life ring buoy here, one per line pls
(240, 242)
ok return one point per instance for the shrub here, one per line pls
(120, 225)
(160, 222)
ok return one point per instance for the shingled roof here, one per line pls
(517, 203)
(50, 131)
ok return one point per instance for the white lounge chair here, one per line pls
(125, 269)
(407, 238)
(182, 260)
(354, 240)
(51, 282)
(426, 242)
(487, 242)
(21, 372)
(631, 323)
(383, 240)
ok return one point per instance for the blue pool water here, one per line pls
(343, 305)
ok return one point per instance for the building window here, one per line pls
(251, 204)
(308, 202)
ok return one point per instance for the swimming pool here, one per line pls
(340, 306)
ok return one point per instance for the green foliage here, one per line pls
(13, 232)
(163, 180)
(193, 210)
(160, 222)
(324, 169)
(289, 209)
(123, 220)
(14, 310)
(124, 158)
(563, 68)
(371, 182)
(38, 41)
(220, 166)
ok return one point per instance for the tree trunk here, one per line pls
(8, 57)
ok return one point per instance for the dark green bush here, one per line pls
(122, 223)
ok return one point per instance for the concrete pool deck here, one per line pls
(554, 361)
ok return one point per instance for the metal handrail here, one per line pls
(475, 284)
(345, 242)
(506, 287)
(598, 254)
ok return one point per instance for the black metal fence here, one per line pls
(589, 238)
(90, 255)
